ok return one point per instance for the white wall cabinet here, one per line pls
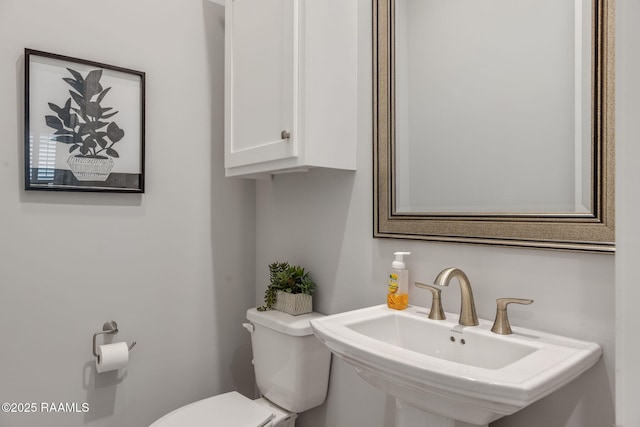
(290, 86)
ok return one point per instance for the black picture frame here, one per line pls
(84, 125)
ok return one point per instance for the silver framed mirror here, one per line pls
(420, 188)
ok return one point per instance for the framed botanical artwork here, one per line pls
(84, 125)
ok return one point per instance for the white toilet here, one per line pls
(292, 374)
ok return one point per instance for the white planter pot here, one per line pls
(294, 304)
(90, 168)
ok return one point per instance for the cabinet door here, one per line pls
(261, 81)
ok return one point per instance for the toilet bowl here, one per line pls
(292, 374)
(229, 409)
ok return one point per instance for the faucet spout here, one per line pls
(468, 315)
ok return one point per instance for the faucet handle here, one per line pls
(436, 312)
(501, 324)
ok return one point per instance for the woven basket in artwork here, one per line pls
(294, 304)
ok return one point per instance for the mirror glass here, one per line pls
(494, 103)
(494, 122)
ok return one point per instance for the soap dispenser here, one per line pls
(398, 286)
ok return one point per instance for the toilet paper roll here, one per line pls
(112, 357)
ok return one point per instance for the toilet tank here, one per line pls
(290, 363)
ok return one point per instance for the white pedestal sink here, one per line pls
(408, 416)
(447, 375)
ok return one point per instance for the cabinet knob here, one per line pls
(285, 134)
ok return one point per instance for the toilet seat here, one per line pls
(228, 409)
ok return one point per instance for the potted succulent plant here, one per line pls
(82, 123)
(290, 289)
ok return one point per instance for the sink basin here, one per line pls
(462, 373)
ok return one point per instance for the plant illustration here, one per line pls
(82, 121)
(286, 278)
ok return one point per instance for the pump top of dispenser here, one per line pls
(398, 263)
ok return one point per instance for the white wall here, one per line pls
(627, 208)
(323, 220)
(174, 267)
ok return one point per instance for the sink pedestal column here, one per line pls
(410, 416)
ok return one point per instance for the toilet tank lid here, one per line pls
(283, 322)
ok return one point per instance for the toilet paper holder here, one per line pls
(110, 327)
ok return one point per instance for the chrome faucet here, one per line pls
(468, 315)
